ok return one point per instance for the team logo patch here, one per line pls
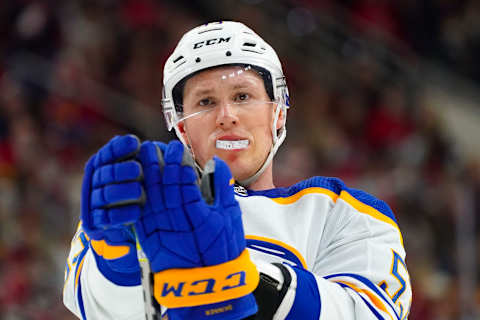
(239, 190)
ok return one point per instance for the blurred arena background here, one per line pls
(385, 95)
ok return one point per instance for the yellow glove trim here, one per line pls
(174, 288)
(107, 251)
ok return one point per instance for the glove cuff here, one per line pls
(235, 309)
(121, 278)
(107, 251)
(117, 263)
(174, 288)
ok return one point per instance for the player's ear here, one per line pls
(281, 117)
(181, 129)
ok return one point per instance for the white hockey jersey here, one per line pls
(348, 239)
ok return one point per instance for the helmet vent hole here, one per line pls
(208, 30)
(177, 59)
(249, 44)
(228, 53)
(180, 64)
(197, 60)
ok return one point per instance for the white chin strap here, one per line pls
(277, 142)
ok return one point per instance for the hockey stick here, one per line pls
(153, 310)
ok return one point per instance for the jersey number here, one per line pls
(397, 270)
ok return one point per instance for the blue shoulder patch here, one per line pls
(373, 202)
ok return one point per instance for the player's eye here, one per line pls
(205, 102)
(242, 97)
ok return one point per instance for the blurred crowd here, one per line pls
(75, 73)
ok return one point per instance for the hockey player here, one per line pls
(222, 247)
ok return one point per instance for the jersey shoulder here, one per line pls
(335, 188)
(359, 199)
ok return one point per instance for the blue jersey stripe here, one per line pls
(369, 284)
(79, 288)
(276, 249)
(80, 301)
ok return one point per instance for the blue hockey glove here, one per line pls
(192, 234)
(112, 195)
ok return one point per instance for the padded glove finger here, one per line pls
(223, 227)
(116, 173)
(112, 195)
(120, 194)
(164, 232)
(190, 237)
(107, 184)
(118, 149)
(116, 216)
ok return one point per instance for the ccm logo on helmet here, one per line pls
(210, 42)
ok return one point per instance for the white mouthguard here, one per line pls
(231, 145)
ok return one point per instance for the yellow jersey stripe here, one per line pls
(375, 300)
(79, 270)
(301, 193)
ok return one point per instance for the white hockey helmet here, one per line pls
(224, 43)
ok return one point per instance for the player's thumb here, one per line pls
(217, 183)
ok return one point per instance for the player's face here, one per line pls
(233, 120)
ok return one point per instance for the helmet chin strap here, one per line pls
(252, 179)
(277, 141)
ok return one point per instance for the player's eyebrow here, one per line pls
(202, 92)
(209, 91)
(242, 85)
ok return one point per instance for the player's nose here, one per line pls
(226, 115)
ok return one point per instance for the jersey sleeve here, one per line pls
(360, 265)
(89, 295)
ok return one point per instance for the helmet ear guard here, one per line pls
(224, 43)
